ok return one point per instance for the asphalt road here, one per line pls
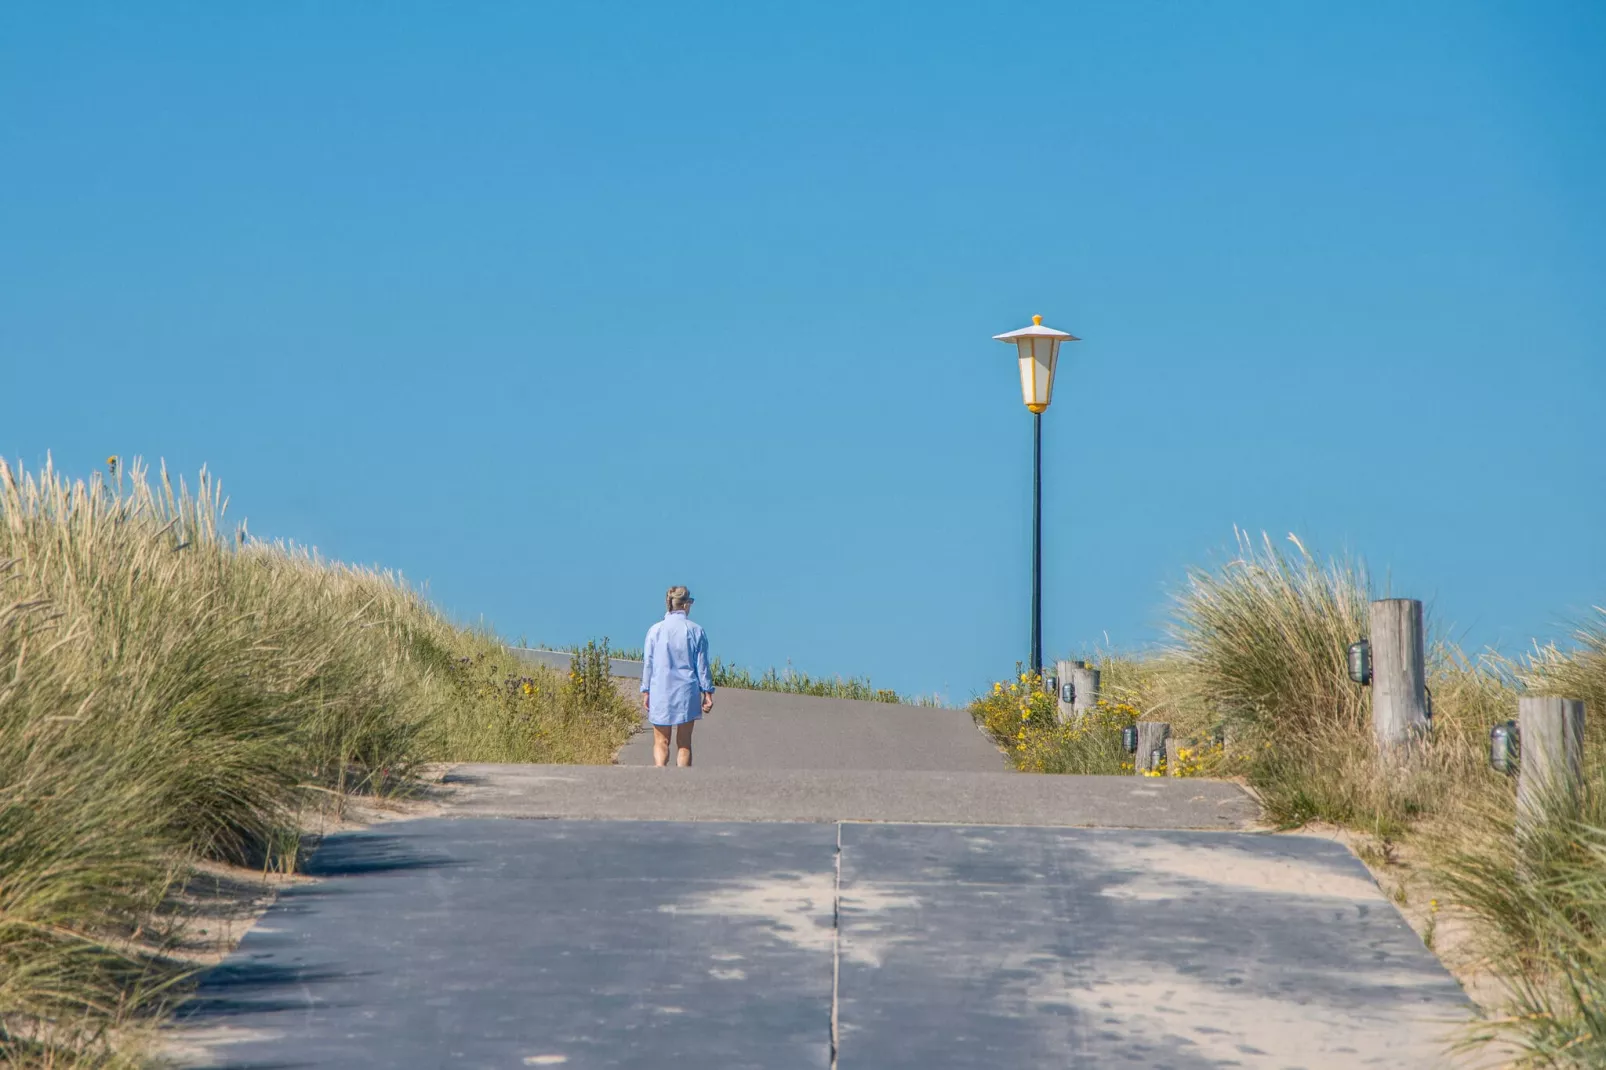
(774, 730)
(503, 943)
(833, 883)
(616, 792)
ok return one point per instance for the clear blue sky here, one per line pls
(553, 305)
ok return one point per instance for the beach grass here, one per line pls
(173, 690)
(794, 682)
(1254, 684)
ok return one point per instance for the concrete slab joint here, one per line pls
(672, 944)
(862, 902)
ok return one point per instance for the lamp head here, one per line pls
(1037, 348)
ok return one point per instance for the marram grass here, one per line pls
(169, 690)
(1257, 661)
(1258, 649)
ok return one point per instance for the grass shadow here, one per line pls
(365, 854)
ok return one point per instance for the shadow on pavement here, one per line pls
(256, 988)
(362, 854)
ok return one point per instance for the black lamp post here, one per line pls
(1037, 348)
(1037, 543)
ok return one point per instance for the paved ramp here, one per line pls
(497, 943)
(717, 794)
(834, 884)
(776, 730)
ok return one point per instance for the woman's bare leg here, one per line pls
(660, 744)
(683, 742)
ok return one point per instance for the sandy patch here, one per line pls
(199, 1047)
(799, 911)
(1210, 1021)
(1167, 870)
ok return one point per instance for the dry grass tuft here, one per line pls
(1259, 649)
(1257, 658)
(170, 690)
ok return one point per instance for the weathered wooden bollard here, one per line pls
(1151, 741)
(1087, 687)
(1064, 708)
(1551, 757)
(1399, 672)
(1084, 689)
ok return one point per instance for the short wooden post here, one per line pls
(1399, 672)
(1084, 683)
(1173, 766)
(1551, 768)
(1151, 737)
(1086, 679)
(1063, 670)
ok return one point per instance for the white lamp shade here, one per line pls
(1037, 348)
(1037, 359)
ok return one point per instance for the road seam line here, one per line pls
(836, 942)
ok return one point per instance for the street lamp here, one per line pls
(1038, 349)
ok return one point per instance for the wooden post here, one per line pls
(1172, 765)
(1064, 670)
(1151, 737)
(1087, 688)
(1085, 684)
(1551, 768)
(1399, 672)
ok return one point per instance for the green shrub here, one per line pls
(801, 683)
(1023, 719)
(503, 710)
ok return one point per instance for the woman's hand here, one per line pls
(708, 702)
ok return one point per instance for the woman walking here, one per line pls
(676, 685)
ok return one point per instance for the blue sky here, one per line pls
(551, 306)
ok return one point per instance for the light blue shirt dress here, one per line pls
(675, 670)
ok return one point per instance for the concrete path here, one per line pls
(496, 943)
(771, 730)
(616, 792)
(775, 730)
(834, 884)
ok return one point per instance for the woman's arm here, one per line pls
(705, 677)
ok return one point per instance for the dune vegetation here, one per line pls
(172, 690)
(1254, 684)
(789, 680)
